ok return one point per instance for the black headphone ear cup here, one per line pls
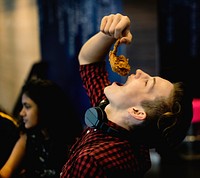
(94, 117)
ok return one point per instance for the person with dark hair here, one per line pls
(49, 126)
(9, 134)
(125, 120)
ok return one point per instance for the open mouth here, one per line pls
(119, 84)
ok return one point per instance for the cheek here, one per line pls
(33, 119)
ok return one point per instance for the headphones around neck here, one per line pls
(95, 117)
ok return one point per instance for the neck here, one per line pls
(116, 116)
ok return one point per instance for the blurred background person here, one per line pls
(8, 135)
(49, 126)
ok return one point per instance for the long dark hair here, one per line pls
(55, 113)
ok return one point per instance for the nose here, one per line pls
(22, 113)
(141, 74)
(138, 73)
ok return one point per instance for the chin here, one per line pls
(27, 126)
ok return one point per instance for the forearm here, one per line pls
(15, 158)
(112, 27)
(96, 48)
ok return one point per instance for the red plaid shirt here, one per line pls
(98, 154)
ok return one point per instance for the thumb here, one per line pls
(126, 39)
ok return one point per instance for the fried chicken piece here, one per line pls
(119, 64)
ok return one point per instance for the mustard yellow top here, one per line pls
(9, 118)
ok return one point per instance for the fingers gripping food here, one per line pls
(119, 64)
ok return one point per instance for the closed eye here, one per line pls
(146, 81)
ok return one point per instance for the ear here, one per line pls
(137, 113)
